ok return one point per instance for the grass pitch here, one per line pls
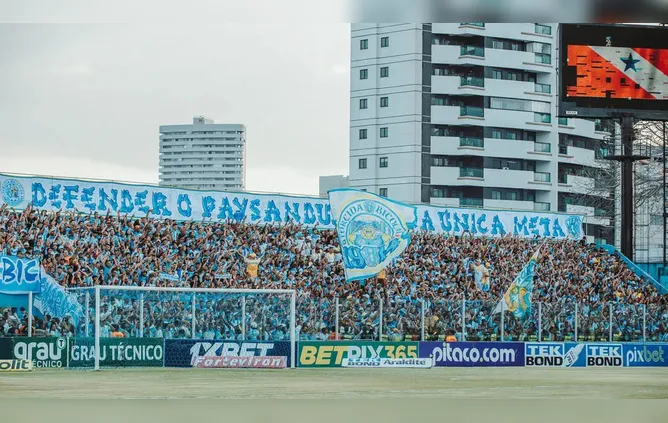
(436, 383)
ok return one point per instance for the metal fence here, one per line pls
(224, 316)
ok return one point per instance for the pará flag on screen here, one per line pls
(372, 230)
(517, 299)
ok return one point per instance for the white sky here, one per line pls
(86, 100)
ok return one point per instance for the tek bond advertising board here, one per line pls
(570, 354)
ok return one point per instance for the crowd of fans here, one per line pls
(581, 288)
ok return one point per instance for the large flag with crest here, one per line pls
(517, 299)
(372, 230)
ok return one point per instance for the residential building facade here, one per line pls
(204, 155)
(465, 114)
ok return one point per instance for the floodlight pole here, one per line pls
(626, 158)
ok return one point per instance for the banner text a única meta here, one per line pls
(332, 353)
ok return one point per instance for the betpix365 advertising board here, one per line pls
(332, 354)
(474, 354)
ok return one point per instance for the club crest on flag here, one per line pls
(372, 230)
(517, 299)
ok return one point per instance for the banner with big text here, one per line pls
(179, 204)
(189, 352)
(117, 352)
(474, 354)
(332, 353)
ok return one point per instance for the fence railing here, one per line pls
(263, 317)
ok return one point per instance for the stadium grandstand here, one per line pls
(84, 250)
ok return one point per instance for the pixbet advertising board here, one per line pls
(474, 354)
(645, 355)
(197, 353)
(332, 354)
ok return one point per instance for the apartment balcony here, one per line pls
(471, 202)
(541, 207)
(492, 147)
(580, 185)
(590, 214)
(471, 142)
(471, 111)
(471, 172)
(457, 55)
(542, 147)
(508, 205)
(471, 81)
(510, 89)
(580, 127)
(444, 201)
(517, 59)
(580, 156)
(457, 85)
(515, 119)
(445, 114)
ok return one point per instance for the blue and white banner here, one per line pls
(23, 275)
(517, 299)
(645, 355)
(372, 230)
(179, 204)
(19, 274)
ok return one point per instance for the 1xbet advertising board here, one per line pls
(188, 352)
(645, 355)
(474, 354)
(331, 354)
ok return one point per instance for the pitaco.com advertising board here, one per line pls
(213, 353)
(474, 354)
(332, 353)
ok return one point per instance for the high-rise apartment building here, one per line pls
(464, 114)
(204, 155)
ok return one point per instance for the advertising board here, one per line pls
(185, 352)
(42, 352)
(231, 362)
(555, 354)
(16, 366)
(474, 354)
(645, 355)
(128, 352)
(332, 354)
(406, 363)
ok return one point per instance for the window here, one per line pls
(363, 103)
(496, 195)
(543, 29)
(385, 42)
(383, 162)
(383, 132)
(384, 72)
(439, 161)
(362, 134)
(438, 192)
(364, 73)
(497, 74)
(382, 192)
(364, 44)
(496, 134)
(563, 121)
(362, 163)
(384, 101)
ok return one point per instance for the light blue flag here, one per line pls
(517, 299)
(372, 230)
